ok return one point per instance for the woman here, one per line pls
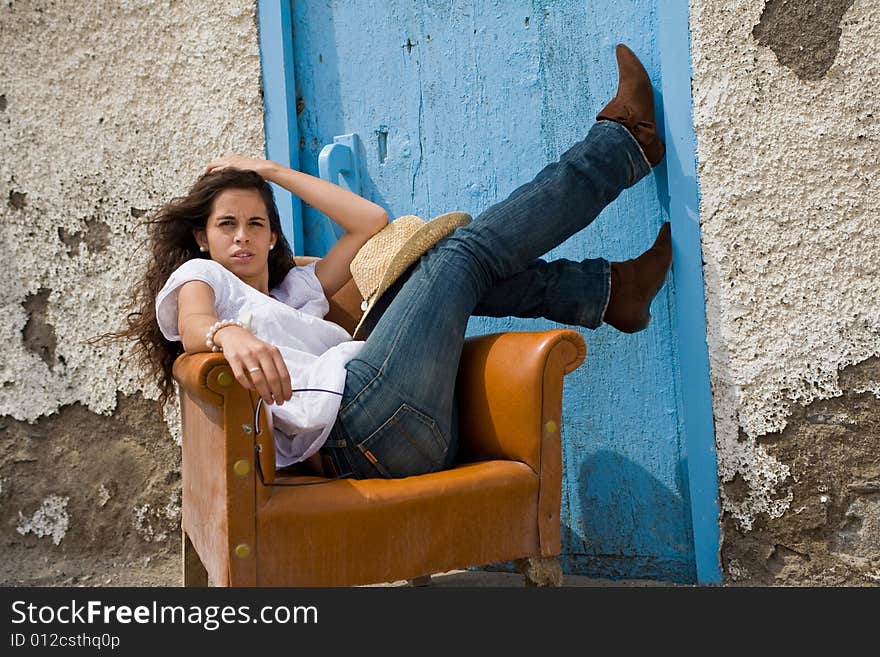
(222, 279)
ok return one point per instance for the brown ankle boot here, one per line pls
(635, 283)
(633, 106)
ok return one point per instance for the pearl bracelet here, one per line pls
(216, 326)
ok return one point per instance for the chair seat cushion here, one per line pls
(351, 531)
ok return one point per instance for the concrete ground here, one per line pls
(465, 578)
(164, 570)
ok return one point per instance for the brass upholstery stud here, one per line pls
(241, 468)
(242, 550)
(225, 378)
(550, 427)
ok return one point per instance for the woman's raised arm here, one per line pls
(360, 218)
(354, 213)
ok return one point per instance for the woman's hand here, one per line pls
(257, 365)
(238, 162)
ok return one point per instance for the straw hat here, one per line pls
(389, 253)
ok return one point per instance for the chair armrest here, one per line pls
(220, 491)
(191, 373)
(206, 376)
(509, 392)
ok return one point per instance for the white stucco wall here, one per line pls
(118, 115)
(788, 172)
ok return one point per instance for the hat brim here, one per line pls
(417, 245)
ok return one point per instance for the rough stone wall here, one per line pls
(107, 110)
(786, 114)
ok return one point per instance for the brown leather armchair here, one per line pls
(499, 503)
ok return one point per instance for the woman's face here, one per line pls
(238, 235)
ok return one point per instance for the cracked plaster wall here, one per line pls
(133, 98)
(786, 115)
(107, 110)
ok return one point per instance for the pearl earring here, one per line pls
(202, 249)
(271, 246)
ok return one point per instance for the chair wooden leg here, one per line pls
(424, 580)
(540, 571)
(194, 573)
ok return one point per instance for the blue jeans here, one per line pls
(398, 415)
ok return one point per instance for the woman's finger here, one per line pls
(243, 368)
(284, 374)
(239, 373)
(218, 164)
(260, 380)
(274, 378)
(261, 368)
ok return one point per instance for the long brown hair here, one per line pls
(172, 244)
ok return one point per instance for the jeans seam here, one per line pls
(361, 391)
(394, 422)
(634, 141)
(431, 424)
(337, 458)
(401, 327)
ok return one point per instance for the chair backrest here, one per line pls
(345, 305)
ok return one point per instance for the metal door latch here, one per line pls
(339, 163)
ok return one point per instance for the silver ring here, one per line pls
(254, 369)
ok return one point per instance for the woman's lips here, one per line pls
(243, 257)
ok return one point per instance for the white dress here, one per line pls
(314, 350)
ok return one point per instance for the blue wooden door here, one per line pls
(457, 104)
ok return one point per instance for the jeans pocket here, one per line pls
(408, 443)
